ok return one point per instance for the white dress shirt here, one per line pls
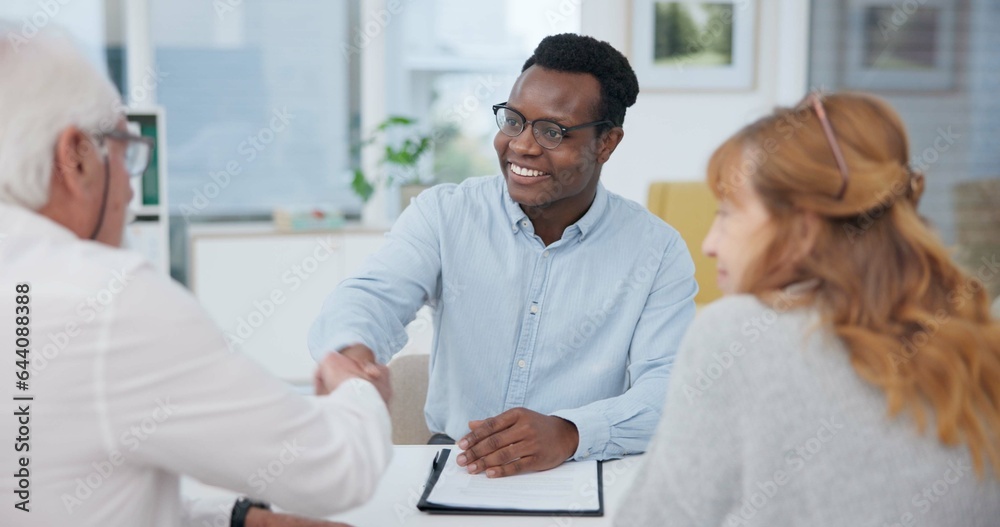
(133, 386)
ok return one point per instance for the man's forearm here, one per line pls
(611, 428)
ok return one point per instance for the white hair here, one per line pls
(46, 86)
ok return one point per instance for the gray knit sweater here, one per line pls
(767, 424)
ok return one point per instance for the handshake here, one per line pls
(356, 361)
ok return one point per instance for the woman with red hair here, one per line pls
(851, 376)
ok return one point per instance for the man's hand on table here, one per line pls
(338, 367)
(266, 518)
(518, 440)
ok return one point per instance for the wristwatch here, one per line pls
(242, 507)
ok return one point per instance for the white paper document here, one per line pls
(570, 487)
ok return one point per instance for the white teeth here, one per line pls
(524, 172)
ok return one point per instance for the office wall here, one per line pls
(670, 135)
(83, 19)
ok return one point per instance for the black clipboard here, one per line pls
(441, 460)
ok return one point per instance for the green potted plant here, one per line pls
(405, 146)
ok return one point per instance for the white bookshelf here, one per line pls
(149, 234)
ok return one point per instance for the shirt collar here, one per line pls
(21, 221)
(514, 212)
(585, 224)
(594, 214)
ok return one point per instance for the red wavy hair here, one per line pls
(916, 325)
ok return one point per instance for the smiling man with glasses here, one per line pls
(558, 305)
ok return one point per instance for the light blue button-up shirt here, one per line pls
(585, 329)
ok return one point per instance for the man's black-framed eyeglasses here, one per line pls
(548, 134)
(138, 150)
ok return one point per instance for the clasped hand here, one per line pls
(336, 368)
(516, 441)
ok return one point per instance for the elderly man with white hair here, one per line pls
(127, 384)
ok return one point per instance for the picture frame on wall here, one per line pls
(694, 45)
(904, 47)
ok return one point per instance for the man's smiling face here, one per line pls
(566, 176)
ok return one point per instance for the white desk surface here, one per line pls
(395, 500)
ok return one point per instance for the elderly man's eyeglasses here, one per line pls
(547, 133)
(138, 150)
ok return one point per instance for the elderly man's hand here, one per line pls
(336, 368)
(360, 353)
(266, 518)
(518, 440)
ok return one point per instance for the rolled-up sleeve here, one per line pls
(374, 306)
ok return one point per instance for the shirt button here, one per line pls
(534, 310)
(545, 254)
(524, 223)
(521, 363)
(514, 229)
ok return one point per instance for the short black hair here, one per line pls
(582, 54)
